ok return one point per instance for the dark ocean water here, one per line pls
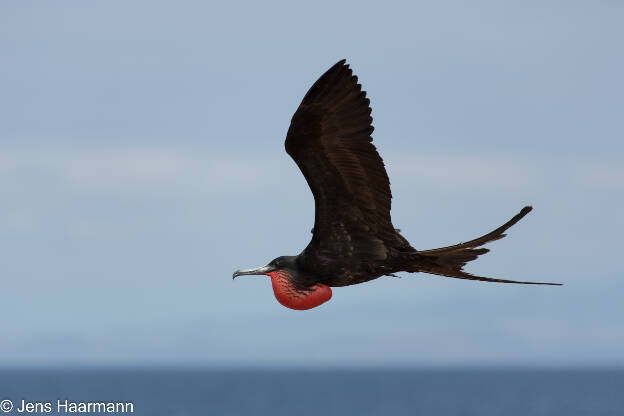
(332, 392)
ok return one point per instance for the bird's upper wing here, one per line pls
(330, 140)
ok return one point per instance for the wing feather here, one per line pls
(330, 140)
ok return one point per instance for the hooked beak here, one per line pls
(259, 270)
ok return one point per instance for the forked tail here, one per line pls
(449, 261)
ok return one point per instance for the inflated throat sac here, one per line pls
(292, 298)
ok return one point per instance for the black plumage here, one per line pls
(353, 237)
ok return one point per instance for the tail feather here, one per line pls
(492, 236)
(449, 261)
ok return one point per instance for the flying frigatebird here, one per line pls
(353, 239)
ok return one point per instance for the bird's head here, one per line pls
(289, 284)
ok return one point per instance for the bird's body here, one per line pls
(353, 239)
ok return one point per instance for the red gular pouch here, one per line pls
(294, 298)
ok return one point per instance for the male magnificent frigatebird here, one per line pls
(353, 239)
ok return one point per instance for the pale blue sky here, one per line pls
(142, 161)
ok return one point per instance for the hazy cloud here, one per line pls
(157, 170)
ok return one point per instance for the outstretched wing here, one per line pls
(330, 140)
